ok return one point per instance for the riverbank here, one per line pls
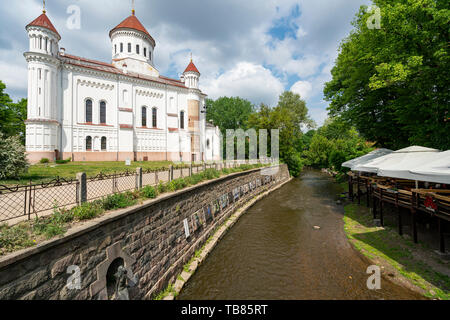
(414, 266)
(173, 290)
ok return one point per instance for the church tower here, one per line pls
(133, 47)
(42, 125)
(191, 78)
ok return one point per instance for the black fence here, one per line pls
(26, 202)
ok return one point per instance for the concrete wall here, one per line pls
(150, 238)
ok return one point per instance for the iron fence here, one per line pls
(23, 202)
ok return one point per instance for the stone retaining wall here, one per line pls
(149, 240)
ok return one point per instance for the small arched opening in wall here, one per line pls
(112, 277)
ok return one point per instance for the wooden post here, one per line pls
(381, 208)
(374, 200)
(359, 189)
(350, 187)
(367, 193)
(441, 235)
(414, 224)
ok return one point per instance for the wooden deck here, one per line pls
(402, 194)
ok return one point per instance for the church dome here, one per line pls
(133, 23)
(44, 22)
(191, 68)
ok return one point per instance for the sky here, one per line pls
(255, 49)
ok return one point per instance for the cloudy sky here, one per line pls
(255, 49)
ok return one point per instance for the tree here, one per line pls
(288, 116)
(12, 115)
(392, 83)
(13, 159)
(229, 113)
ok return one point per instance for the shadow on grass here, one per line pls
(390, 246)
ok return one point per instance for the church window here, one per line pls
(121, 47)
(40, 74)
(144, 116)
(115, 48)
(88, 111)
(149, 54)
(103, 144)
(137, 49)
(46, 44)
(88, 143)
(145, 52)
(154, 115)
(129, 47)
(182, 120)
(40, 42)
(103, 112)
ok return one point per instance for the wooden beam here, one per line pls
(441, 235)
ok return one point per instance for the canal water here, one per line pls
(274, 252)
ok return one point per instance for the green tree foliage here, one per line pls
(12, 115)
(334, 143)
(13, 160)
(229, 112)
(392, 83)
(288, 116)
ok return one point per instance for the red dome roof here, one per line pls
(132, 23)
(44, 22)
(191, 68)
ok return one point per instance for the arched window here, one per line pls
(129, 47)
(88, 111)
(154, 117)
(182, 120)
(144, 116)
(103, 144)
(149, 54)
(145, 52)
(102, 112)
(115, 48)
(88, 143)
(121, 47)
(137, 49)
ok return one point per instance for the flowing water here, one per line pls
(274, 252)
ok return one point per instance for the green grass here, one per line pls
(169, 290)
(46, 172)
(386, 244)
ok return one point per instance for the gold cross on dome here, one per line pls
(133, 11)
(43, 10)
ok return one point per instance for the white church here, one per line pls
(89, 110)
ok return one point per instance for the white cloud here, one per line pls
(246, 80)
(303, 88)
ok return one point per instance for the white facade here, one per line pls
(93, 111)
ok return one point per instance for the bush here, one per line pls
(162, 187)
(149, 192)
(63, 161)
(88, 210)
(13, 161)
(14, 238)
(295, 164)
(118, 201)
(44, 160)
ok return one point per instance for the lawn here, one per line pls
(387, 247)
(46, 172)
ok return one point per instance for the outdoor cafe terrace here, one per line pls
(415, 178)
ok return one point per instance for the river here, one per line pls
(274, 252)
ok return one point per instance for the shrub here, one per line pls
(13, 161)
(162, 187)
(62, 161)
(118, 201)
(88, 210)
(149, 192)
(14, 238)
(44, 160)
